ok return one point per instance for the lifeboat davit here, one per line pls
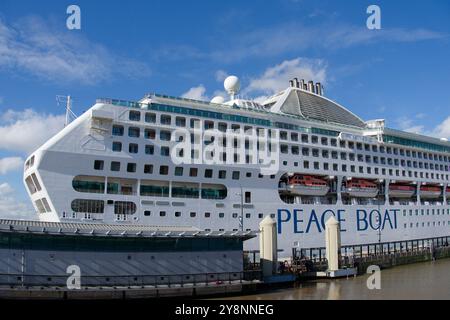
(430, 192)
(360, 188)
(401, 191)
(307, 186)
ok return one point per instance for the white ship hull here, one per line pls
(112, 165)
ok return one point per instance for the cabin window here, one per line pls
(135, 116)
(214, 192)
(117, 146)
(164, 170)
(31, 187)
(89, 184)
(208, 173)
(185, 190)
(149, 134)
(88, 206)
(222, 174)
(134, 132)
(98, 164)
(131, 167)
(248, 197)
(117, 130)
(149, 149)
(180, 122)
(148, 168)
(133, 148)
(150, 117)
(115, 166)
(179, 171)
(165, 151)
(166, 119)
(40, 206)
(164, 135)
(124, 207)
(193, 172)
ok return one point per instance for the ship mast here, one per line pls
(69, 113)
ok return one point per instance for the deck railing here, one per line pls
(156, 281)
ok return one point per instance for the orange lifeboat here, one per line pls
(401, 190)
(430, 192)
(307, 185)
(361, 188)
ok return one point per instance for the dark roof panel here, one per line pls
(311, 106)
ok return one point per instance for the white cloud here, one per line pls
(295, 37)
(10, 164)
(275, 79)
(221, 75)
(196, 93)
(24, 131)
(443, 129)
(408, 124)
(271, 81)
(32, 47)
(12, 208)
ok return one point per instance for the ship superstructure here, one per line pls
(298, 157)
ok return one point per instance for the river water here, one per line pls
(429, 281)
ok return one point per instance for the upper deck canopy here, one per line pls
(310, 106)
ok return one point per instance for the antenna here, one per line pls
(232, 85)
(70, 116)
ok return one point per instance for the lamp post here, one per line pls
(241, 218)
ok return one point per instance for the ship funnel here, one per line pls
(319, 88)
(311, 86)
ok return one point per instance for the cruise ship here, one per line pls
(224, 166)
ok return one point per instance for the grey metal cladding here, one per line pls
(313, 107)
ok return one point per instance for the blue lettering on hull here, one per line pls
(302, 222)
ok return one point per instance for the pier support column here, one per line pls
(339, 190)
(333, 243)
(419, 200)
(387, 182)
(268, 246)
(444, 194)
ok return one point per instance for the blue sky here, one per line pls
(126, 49)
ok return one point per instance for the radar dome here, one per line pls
(232, 85)
(218, 100)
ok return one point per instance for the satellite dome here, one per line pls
(218, 100)
(232, 85)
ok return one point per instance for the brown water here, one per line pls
(429, 281)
